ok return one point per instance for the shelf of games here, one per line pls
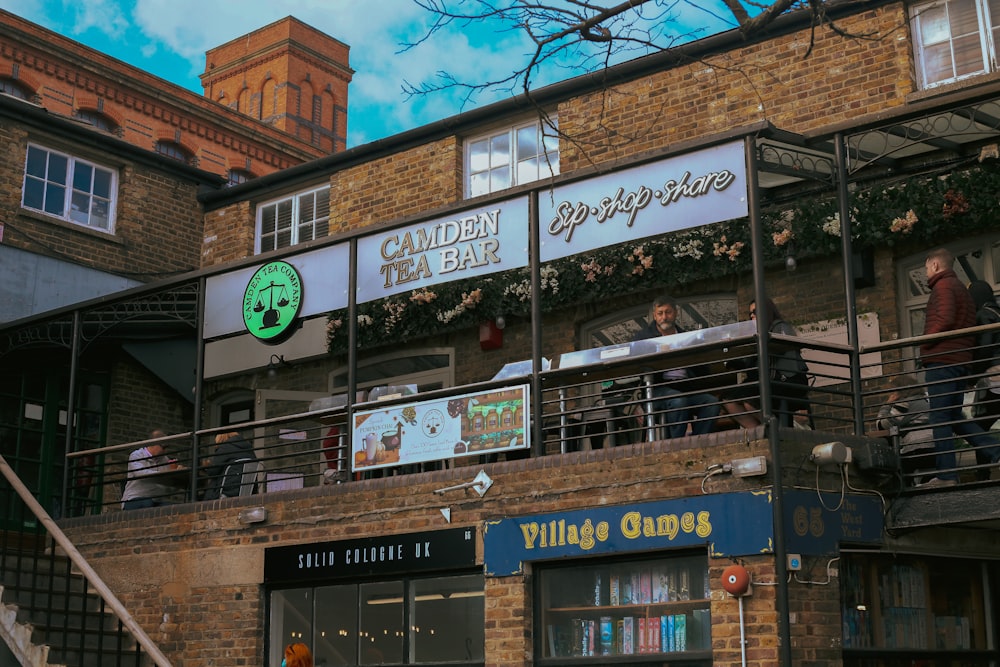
(650, 610)
(897, 609)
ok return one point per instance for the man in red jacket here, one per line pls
(949, 308)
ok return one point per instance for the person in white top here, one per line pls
(141, 491)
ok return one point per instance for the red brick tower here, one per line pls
(286, 74)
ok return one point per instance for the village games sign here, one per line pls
(271, 301)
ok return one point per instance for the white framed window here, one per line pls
(954, 39)
(289, 221)
(69, 188)
(511, 156)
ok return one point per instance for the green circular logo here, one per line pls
(272, 300)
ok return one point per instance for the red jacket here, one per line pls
(949, 308)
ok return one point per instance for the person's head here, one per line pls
(906, 385)
(223, 437)
(938, 260)
(159, 447)
(665, 313)
(981, 293)
(297, 655)
(769, 309)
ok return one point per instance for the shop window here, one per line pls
(404, 622)
(292, 220)
(954, 39)
(511, 156)
(69, 188)
(654, 610)
(906, 610)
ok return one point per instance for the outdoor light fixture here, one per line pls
(252, 515)
(831, 452)
(277, 361)
(751, 467)
(481, 484)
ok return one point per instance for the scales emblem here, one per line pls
(272, 300)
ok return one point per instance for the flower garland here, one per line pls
(926, 211)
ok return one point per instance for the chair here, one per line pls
(251, 474)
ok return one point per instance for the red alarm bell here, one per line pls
(736, 580)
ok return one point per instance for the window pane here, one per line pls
(448, 619)
(381, 623)
(57, 168)
(82, 176)
(336, 630)
(938, 64)
(55, 199)
(291, 617)
(968, 55)
(37, 161)
(479, 156)
(499, 179)
(479, 185)
(80, 209)
(500, 150)
(527, 142)
(102, 183)
(100, 214)
(964, 17)
(267, 219)
(284, 239)
(34, 193)
(527, 170)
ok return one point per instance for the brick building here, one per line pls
(820, 181)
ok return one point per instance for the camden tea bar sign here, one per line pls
(470, 243)
(678, 193)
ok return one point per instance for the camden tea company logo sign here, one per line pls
(272, 300)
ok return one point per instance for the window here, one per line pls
(645, 609)
(955, 39)
(14, 89)
(69, 188)
(97, 119)
(293, 220)
(410, 621)
(173, 150)
(237, 176)
(428, 368)
(513, 156)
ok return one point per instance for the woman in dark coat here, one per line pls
(230, 448)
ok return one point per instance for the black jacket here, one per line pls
(230, 451)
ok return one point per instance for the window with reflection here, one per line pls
(512, 156)
(954, 39)
(407, 621)
(288, 221)
(69, 188)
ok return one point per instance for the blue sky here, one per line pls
(160, 37)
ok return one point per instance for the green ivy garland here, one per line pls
(924, 211)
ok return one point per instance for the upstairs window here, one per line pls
(97, 119)
(293, 220)
(173, 151)
(69, 188)
(511, 156)
(955, 39)
(15, 89)
(237, 176)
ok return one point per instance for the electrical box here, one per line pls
(875, 456)
(794, 562)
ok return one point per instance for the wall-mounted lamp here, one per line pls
(791, 263)
(751, 467)
(481, 484)
(252, 515)
(277, 361)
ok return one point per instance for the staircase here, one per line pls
(55, 618)
(55, 611)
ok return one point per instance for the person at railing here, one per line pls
(673, 395)
(946, 362)
(906, 411)
(230, 448)
(141, 490)
(987, 356)
(789, 378)
(297, 655)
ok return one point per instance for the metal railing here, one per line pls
(71, 614)
(586, 406)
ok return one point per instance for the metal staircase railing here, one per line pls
(69, 609)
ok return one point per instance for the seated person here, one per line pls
(140, 491)
(906, 409)
(789, 379)
(230, 448)
(673, 395)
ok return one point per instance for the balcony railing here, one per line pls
(586, 401)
